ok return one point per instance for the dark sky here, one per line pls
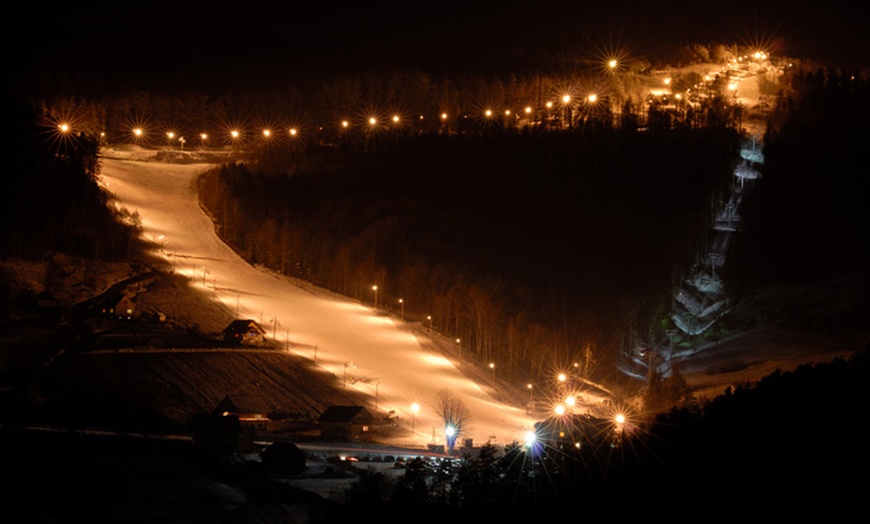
(180, 41)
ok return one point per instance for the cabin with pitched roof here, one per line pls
(346, 424)
(245, 333)
(120, 307)
(251, 410)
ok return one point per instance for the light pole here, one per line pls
(275, 325)
(234, 140)
(588, 356)
(619, 428)
(450, 434)
(570, 401)
(375, 289)
(414, 409)
(346, 364)
(566, 101)
(713, 257)
(459, 342)
(402, 305)
(429, 317)
(492, 367)
(529, 385)
(649, 355)
(377, 388)
(671, 333)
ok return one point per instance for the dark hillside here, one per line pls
(807, 219)
(574, 231)
(51, 195)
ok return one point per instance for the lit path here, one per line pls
(381, 358)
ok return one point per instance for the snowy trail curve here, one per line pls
(383, 359)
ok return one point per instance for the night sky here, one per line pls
(192, 43)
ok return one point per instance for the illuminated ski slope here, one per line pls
(373, 352)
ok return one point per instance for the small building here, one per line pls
(283, 457)
(120, 307)
(251, 410)
(346, 424)
(245, 333)
(222, 434)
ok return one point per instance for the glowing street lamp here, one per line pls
(450, 433)
(529, 439)
(234, 138)
(375, 289)
(566, 101)
(619, 419)
(429, 318)
(414, 409)
(402, 304)
(612, 64)
(459, 343)
(492, 367)
(592, 98)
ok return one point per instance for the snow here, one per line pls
(380, 355)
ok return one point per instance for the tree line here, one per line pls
(776, 446)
